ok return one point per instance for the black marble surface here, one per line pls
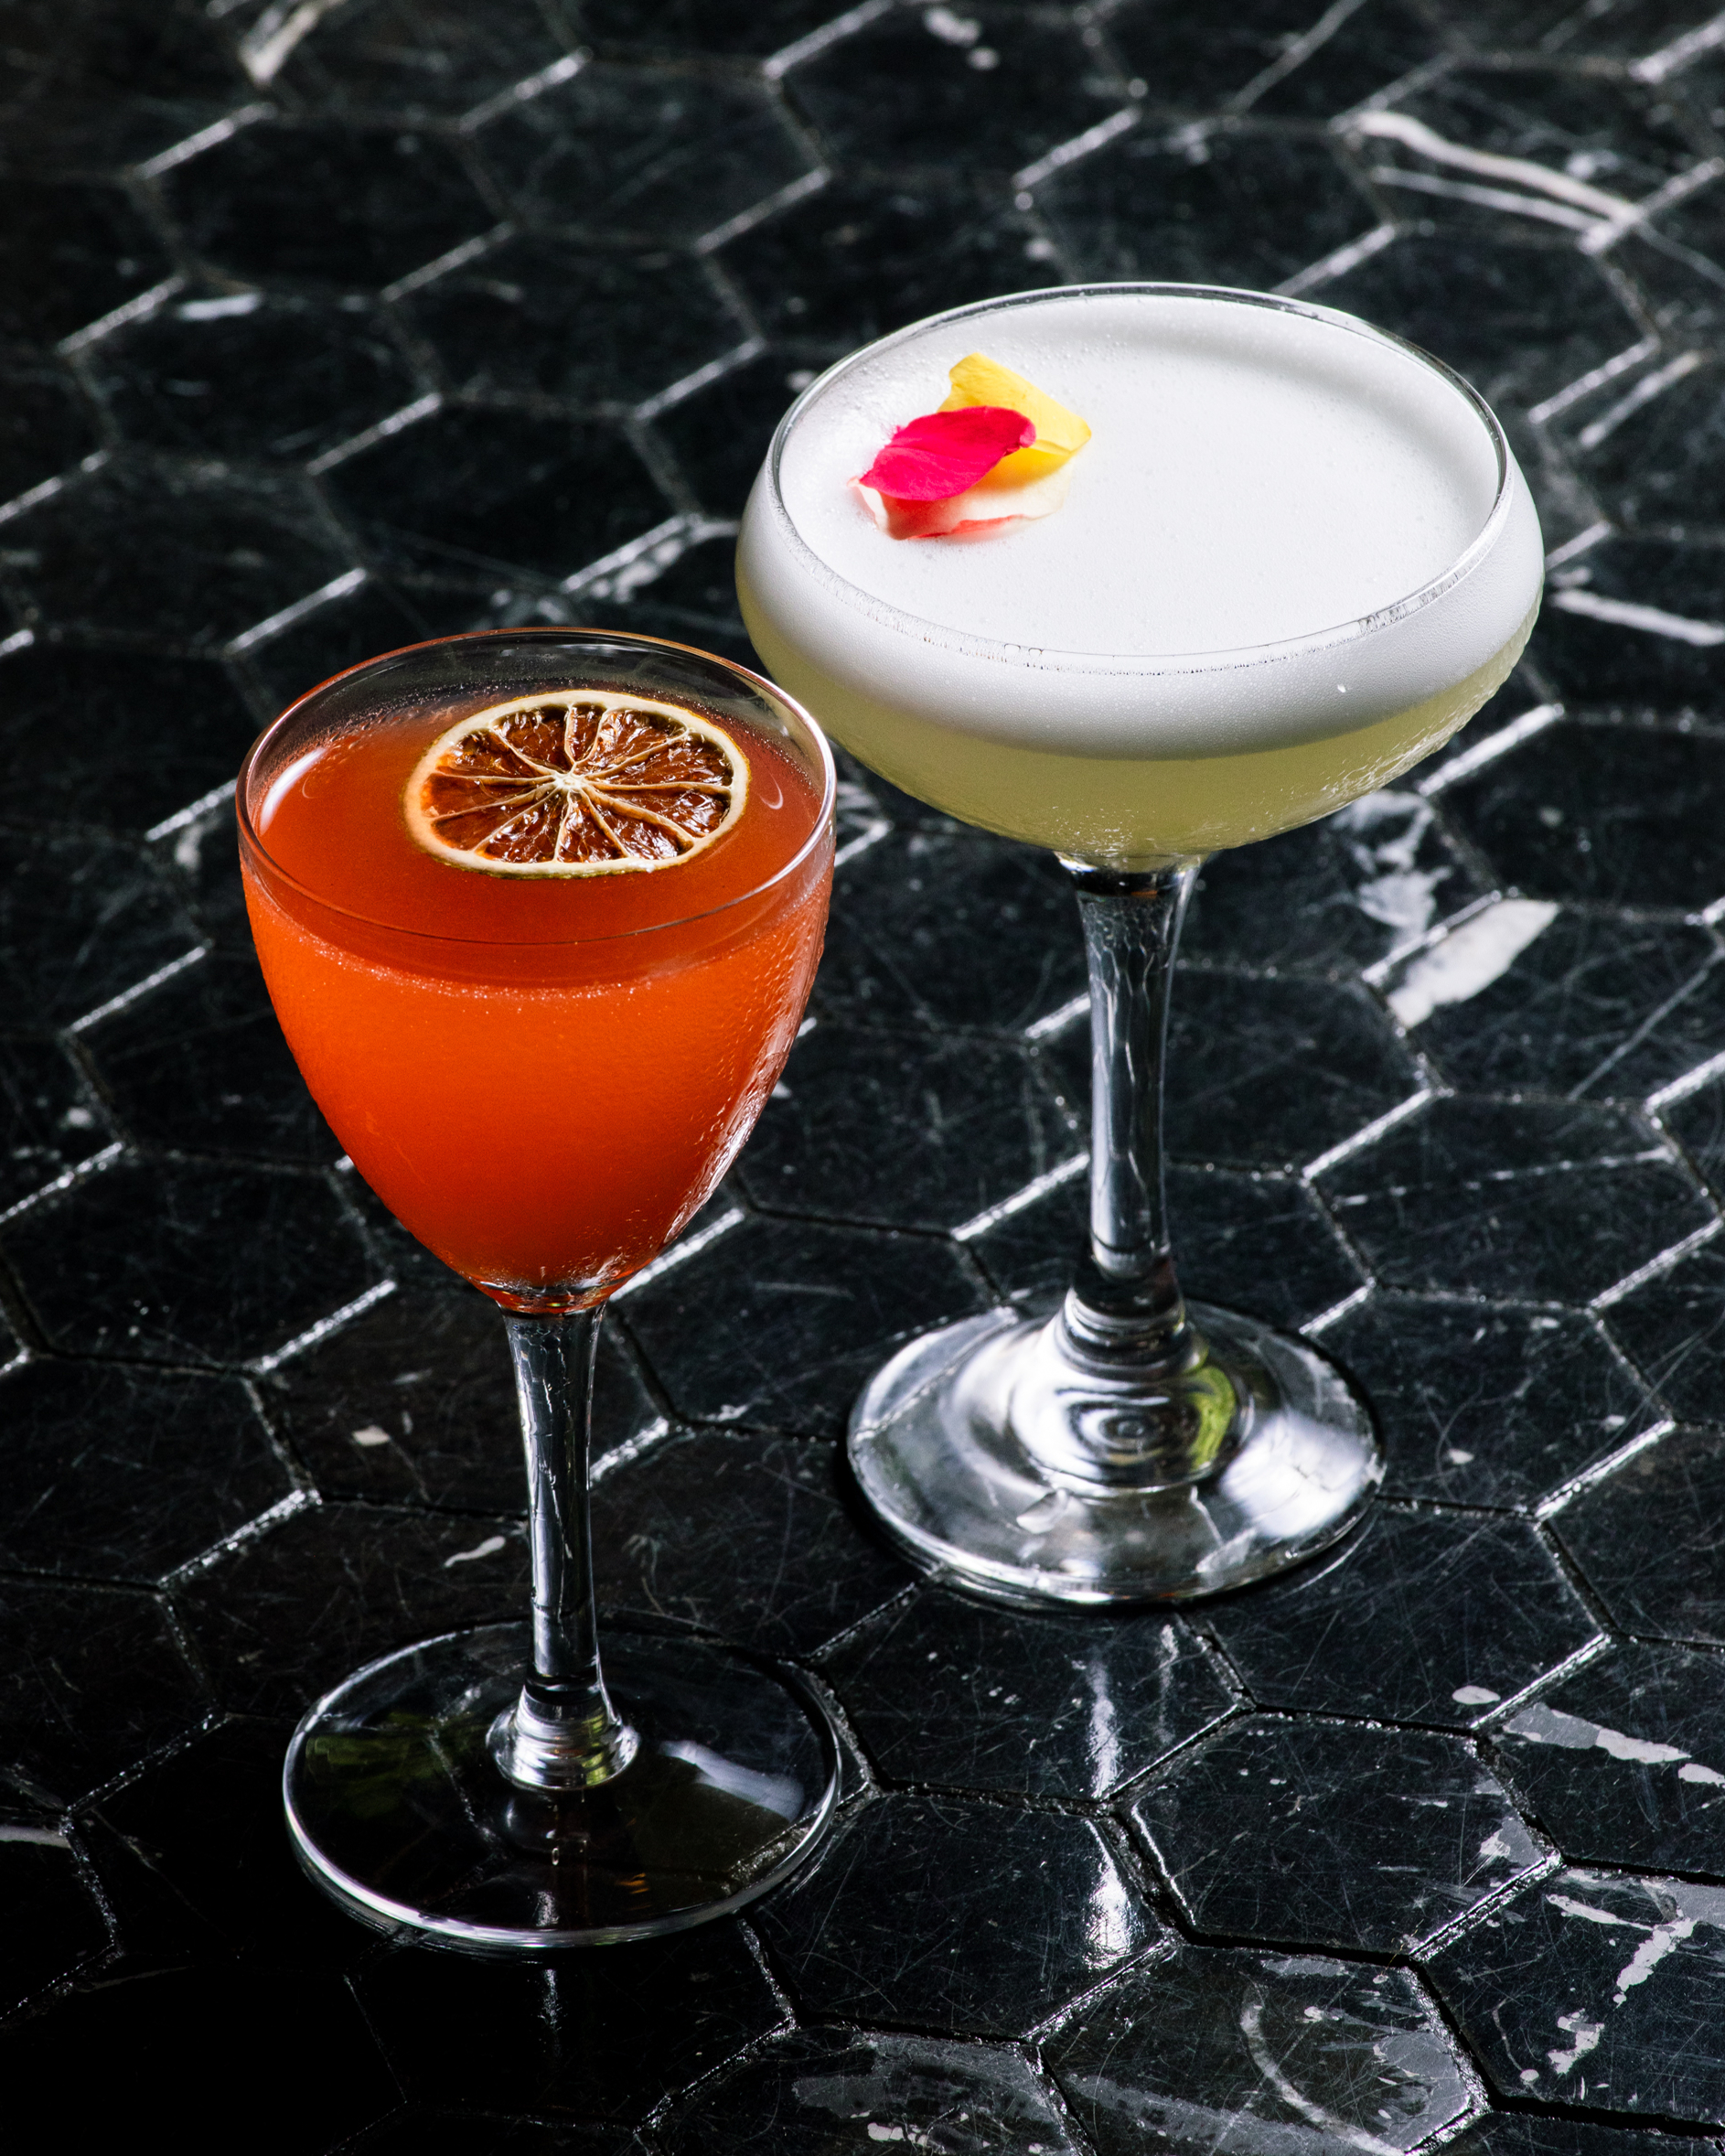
(327, 327)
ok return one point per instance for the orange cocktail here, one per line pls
(541, 1074)
(539, 912)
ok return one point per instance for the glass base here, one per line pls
(398, 1810)
(968, 1454)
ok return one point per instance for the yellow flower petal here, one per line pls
(1060, 434)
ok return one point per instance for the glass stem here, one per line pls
(1126, 1304)
(564, 1733)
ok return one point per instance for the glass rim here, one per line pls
(1223, 658)
(549, 633)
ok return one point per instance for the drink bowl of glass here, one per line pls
(1296, 554)
(539, 911)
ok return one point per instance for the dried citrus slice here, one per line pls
(576, 782)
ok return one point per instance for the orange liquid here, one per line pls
(542, 1077)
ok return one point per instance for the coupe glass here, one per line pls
(545, 1110)
(1123, 1446)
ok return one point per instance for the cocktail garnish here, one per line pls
(937, 476)
(576, 782)
(945, 453)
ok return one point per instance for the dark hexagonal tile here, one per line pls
(1614, 1760)
(53, 1922)
(176, 1262)
(1233, 207)
(781, 1321)
(604, 2035)
(664, 153)
(426, 60)
(288, 1613)
(987, 86)
(82, 921)
(1520, 316)
(1480, 1406)
(116, 1473)
(1212, 2046)
(71, 256)
(748, 1536)
(249, 375)
(1696, 1120)
(187, 552)
(1632, 620)
(1249, 1242)
(1529, 997)
(816, 2090)
(721, 433)
(706, 26)
(325, 204)
(1669, 1327)
(415, 1400)
(1589, 1989)
(1424, 1617)
(200, 1062)
(1661, 463)
(952, 930)
(1337, 896)
(353, 626)
(195, 2045)
(1521, 2133)
(902, 1129)
(45, 428)
(49, 1119)
(1334, 1834)
(1529, 1200)
(1650, 1537)
(169, 731)
(480, 492)
(942, 1692)
(94, 1682)
(955, 1917)
(542, 317)
(862, 257)
(1625, 814)
(1341, 63)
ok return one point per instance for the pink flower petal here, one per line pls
(945, 453)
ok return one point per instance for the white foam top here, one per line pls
(1256, 475)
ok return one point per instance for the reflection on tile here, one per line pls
(1487, 1407)
(115, 1473)
(903, 1130)
(944, 1692)
(780, 1322)
(1212, 2042)
(1423, 1618)
(1600, 1992)
(955, 1917)
(599, 2035)
(1650, 1537)
(1334, 1834)
(746, 1536)
(1529, 1199)
(286, 1614)
(176, 1261)
(114, 1686)
(813, 2089)
(1616, 1760)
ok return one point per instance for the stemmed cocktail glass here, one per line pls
(539, 912)
(1296, 555)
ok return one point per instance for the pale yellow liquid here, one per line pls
(1125, 811)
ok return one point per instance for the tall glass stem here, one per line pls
(563, 1733)
(1125, 1303)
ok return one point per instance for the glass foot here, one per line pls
(399, 1812)
(988, 1461)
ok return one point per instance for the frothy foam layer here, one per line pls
(1255, 476)
(1264, 475)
